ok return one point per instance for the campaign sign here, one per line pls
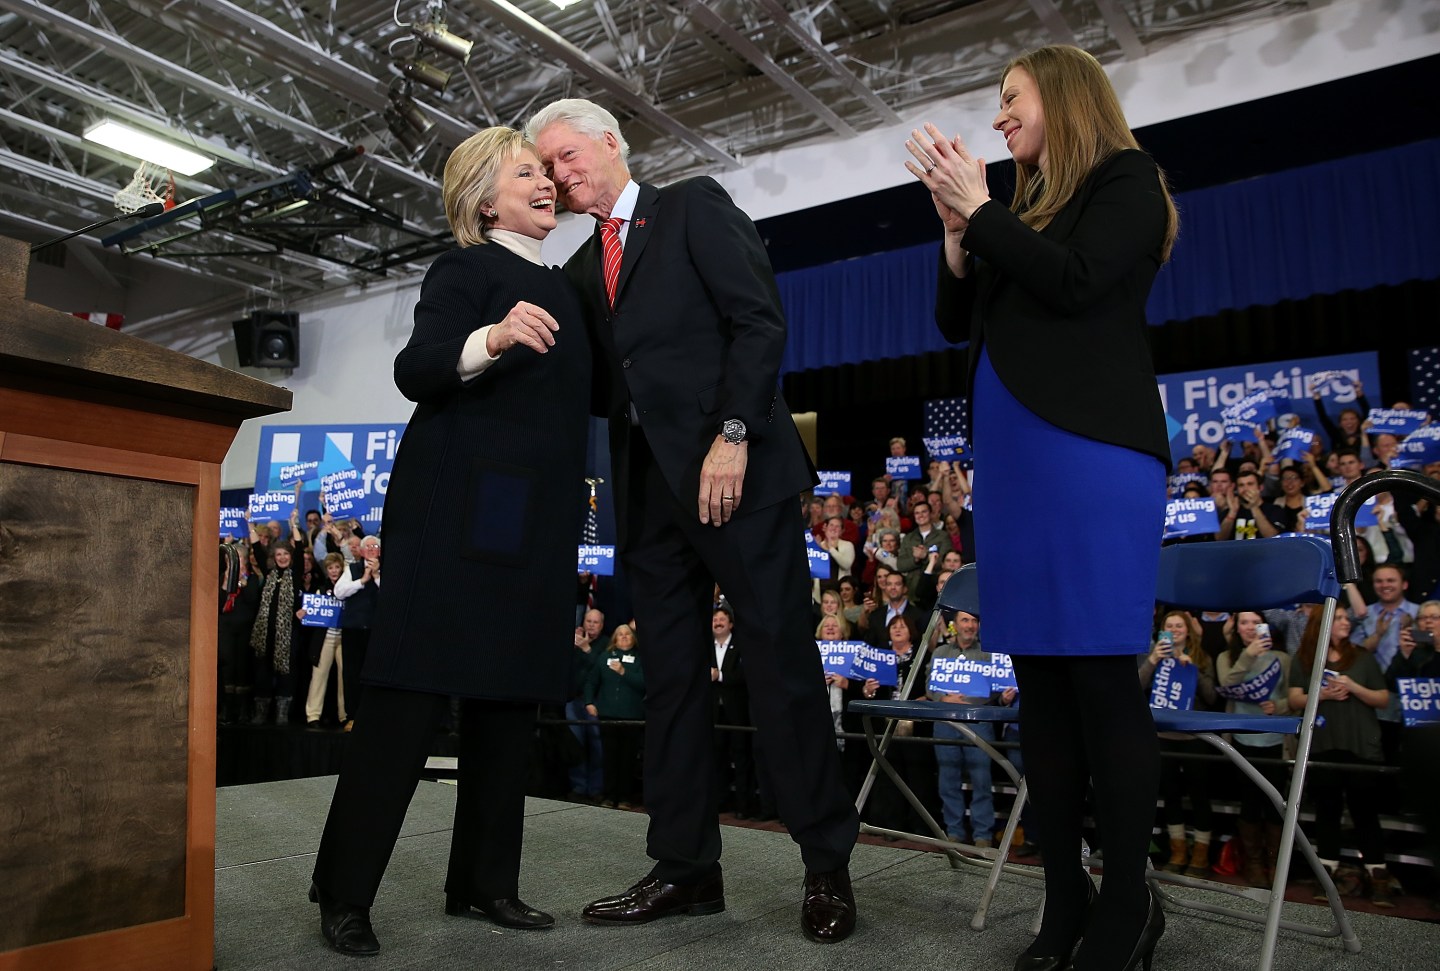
(945, 447)
(1256, 689)
(1420, 700)
(599, 560)
(834, 482)
(1396, 421)
(1177, 483)
(879, 663)
(902, 466)
(818, 557)
(1331, 384)
(1173, 686)
(1294, 444)
(959, 676)
(1420, 448)
(1190, 517)
(1317, 513)
(232, 522)
(1249, 413)
(321, 611)
(344, 496)
(1194, 398)
(837, 657)
(305, 453)
(267, 506)
(1001, 673)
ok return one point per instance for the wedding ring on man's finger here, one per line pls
(727, 498)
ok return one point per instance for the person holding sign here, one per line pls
(484, 506)
(1254, 678)
(1346, 731)
(914, 762)
(1051, 296)
(324, 651)
(955, 762)
(1179, 644)
(275, 635)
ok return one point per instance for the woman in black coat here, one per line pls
(482, 517)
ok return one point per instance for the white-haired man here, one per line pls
(707, 465)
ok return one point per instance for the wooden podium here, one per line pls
(110, 451)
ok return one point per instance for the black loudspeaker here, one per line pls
(268, 339)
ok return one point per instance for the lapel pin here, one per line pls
(640, 223)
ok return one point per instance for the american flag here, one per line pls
(949, 416)
(590, 535)
(1425, 379)
(113, 321)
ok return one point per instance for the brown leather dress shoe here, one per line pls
(652, 898)
(827, 914)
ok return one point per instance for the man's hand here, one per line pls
(714, 673)
(722, 480)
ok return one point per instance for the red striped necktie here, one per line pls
(610, 240)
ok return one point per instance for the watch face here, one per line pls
(733, 430)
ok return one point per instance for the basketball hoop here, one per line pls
(142, 189)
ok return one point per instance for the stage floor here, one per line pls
(914, 909)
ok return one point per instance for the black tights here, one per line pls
(1084, 718)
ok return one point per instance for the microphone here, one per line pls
(144, 212)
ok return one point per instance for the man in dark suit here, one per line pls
(876, 629)
(707, 464)
(732, 709)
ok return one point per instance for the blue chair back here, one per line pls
(962, 592)
(1254, 574)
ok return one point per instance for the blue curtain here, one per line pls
(1359, 222)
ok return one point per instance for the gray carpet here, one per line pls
(914, 910)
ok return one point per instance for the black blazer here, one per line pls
(696, 337)
(732, 695)
(1062, 311)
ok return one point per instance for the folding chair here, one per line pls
(961, 593)
(1257, 574)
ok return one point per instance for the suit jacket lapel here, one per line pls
(647, 207)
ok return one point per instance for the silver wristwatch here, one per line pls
(733, 431)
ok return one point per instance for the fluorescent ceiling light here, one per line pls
(151, 148)
(562, 4)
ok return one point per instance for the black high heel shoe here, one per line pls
(346, 928)
(1032, 960)
(507, 912)
(1149, 936)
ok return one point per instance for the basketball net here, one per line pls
(145, 188)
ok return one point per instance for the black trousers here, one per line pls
(758, 558)
(378, 775)
(1183, 777)
(355, 643)
(1331, 790)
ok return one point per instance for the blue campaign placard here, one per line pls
(879, 663)
(344, 496)
(1176, 484)
(946, 448)
(960, 676)
(837, 483)
(1190, 517)
(818, 557)
(1396, 421)
(596, 559)
(1249, 413)
(1331, 384)
(838, 657)
(1317, 513)
(1255, 689)
(288, 453)
(1002, 672)
(268, 506)
(1294, 443)
(1173, 686)
(1419, 700)
(321, 611)
(1194, 399)
(902, 466)
(1420, 448)
(232, 522)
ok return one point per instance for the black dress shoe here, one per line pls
(827, 914)
(347, 928)
(652, 898)
(507, 911)
(1031, 959)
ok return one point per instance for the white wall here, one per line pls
(349, 340)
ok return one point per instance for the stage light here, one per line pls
(409, 140)
(410, 113)
(151, 148)
(423, 72)
(436, 36)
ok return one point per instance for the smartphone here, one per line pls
(1424, 638)
(1262, 632)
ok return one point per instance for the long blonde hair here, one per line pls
(1084, 126)
(472, 177)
